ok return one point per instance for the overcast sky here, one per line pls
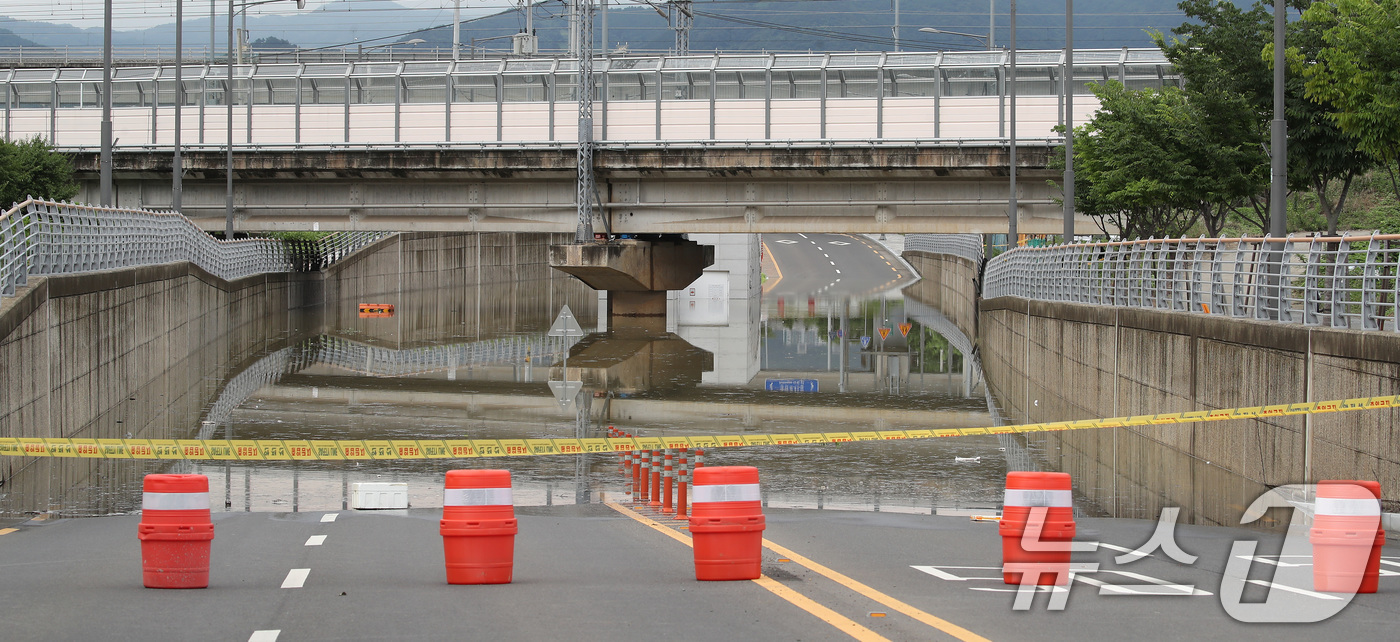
(139, 14)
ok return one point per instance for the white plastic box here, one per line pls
(378, 495)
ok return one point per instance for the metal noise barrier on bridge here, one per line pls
(312, 450)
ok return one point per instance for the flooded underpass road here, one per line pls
(771, 364)
(873, 540)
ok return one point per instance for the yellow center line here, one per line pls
(841, 622)
(775, 266)
(7, 531)
(931, 620)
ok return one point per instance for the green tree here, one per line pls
(1357, 74)
(1147, 165)
(1321, 157)
(32, 168)
(272, 43)
(1231, 88)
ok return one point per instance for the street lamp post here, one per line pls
(414, 42)
(985, 40)
(1012, 234)
(228, 101)
(176, 188)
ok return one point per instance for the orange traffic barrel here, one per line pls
(726, 521)
(175, 531)
(1347, 537)
(1031, 500)
(478, 527)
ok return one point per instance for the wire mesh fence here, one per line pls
(1337, 281)
(45, 238)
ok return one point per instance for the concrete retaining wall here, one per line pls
(1048, 361)
(132, 353)
(484, 284)
(1055, 362)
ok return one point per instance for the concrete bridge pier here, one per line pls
(636, 274)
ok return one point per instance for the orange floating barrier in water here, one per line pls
(175, 531)
(1347, 537)
(376, 310)
(726, 522)
(1037, 501)
(478, 527)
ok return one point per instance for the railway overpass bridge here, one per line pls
(894, 142)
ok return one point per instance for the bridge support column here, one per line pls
(636, 275)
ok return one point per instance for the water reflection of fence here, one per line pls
(375, 361)
(1341, 282)
(386, 362)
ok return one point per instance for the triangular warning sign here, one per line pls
(884, 333)
(565, 325)
(565, 391)
(904, 328)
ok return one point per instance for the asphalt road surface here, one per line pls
(617, 572)
(831, 265)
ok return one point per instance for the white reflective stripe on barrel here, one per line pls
(1030, 497)
(477, 497)
(1339, 507)
(724, 493)
(175, 501)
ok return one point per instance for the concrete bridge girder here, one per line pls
(816, 189)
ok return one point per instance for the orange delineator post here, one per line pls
(645, 475)
(680, 488)
(627, 477)
(655, 478)
(699, 458)
(175, 531)
(667, 481)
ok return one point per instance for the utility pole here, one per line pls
(176, 186)
(583, 50)
(105, 157)
(895, 28)
(228, 142)
(1011, 213)
(685, 17)
(1278, 148)
(456, 29)
(1067, 80)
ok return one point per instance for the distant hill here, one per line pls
(10, 39)
(730, 25)
(844, 25)
(339, 22)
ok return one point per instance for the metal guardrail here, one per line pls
(46, 238)
(1339, 282)
(968, 246)
(569, 146)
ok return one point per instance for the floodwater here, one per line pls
(474, 364)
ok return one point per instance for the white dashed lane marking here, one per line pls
(265, 636)
(296, 578)
(316, 540)
(329, 517)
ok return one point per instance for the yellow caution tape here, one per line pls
(302, 450)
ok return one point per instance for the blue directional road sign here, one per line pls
(865, 342)
(790, 385)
